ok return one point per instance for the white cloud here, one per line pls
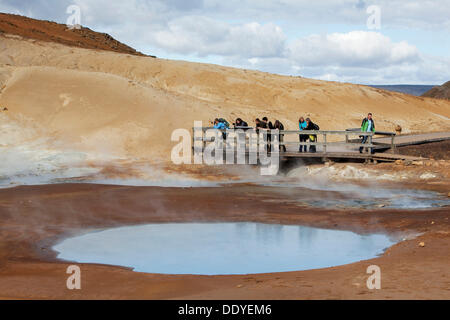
(203, 36)
(353, 49)
(429, 14)
(428, 70)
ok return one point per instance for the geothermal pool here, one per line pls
(221, 248)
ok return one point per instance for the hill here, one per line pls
(439, 92)
(59, 33)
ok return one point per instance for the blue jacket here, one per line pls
(302, 125)
(220, 126)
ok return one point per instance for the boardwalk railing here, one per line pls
(350, 138)
(392, 135)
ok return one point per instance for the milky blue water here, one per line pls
(221, 248)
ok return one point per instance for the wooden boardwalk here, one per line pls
(415, 139)
(344, 148)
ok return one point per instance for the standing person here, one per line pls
(368, 125)
(303, 137)
(220, 125)
(269, 123)
(261, 126)
(269, 134)
(279, 126)
(311, 126)
(241, 137)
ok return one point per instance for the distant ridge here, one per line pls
(415, 90)
(59, 33)
(439, 92)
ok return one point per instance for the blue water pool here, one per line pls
(221, 248)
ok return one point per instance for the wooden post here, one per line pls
(369, 149)
(324, 143)
(203, 140)
(193, 142)
(393, 144)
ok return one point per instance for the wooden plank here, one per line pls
(323, 155)
(397, 157)
(418, 142)
(407, 140)
(338, 155)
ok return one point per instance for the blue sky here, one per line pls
(324, 39)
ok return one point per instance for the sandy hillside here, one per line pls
(127, 106)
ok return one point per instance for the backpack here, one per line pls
(316, 127)
(225, 122)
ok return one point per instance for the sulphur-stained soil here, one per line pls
(34, 218)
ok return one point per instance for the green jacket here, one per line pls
(365, 125)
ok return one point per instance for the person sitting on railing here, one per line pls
(279, 126)
(303, 137)
(368, 125)
(311, 126)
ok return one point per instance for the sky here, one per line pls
(357, 41)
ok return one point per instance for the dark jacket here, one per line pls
(311, 127)
(262, 125)
(279, 127)
(243, 124)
